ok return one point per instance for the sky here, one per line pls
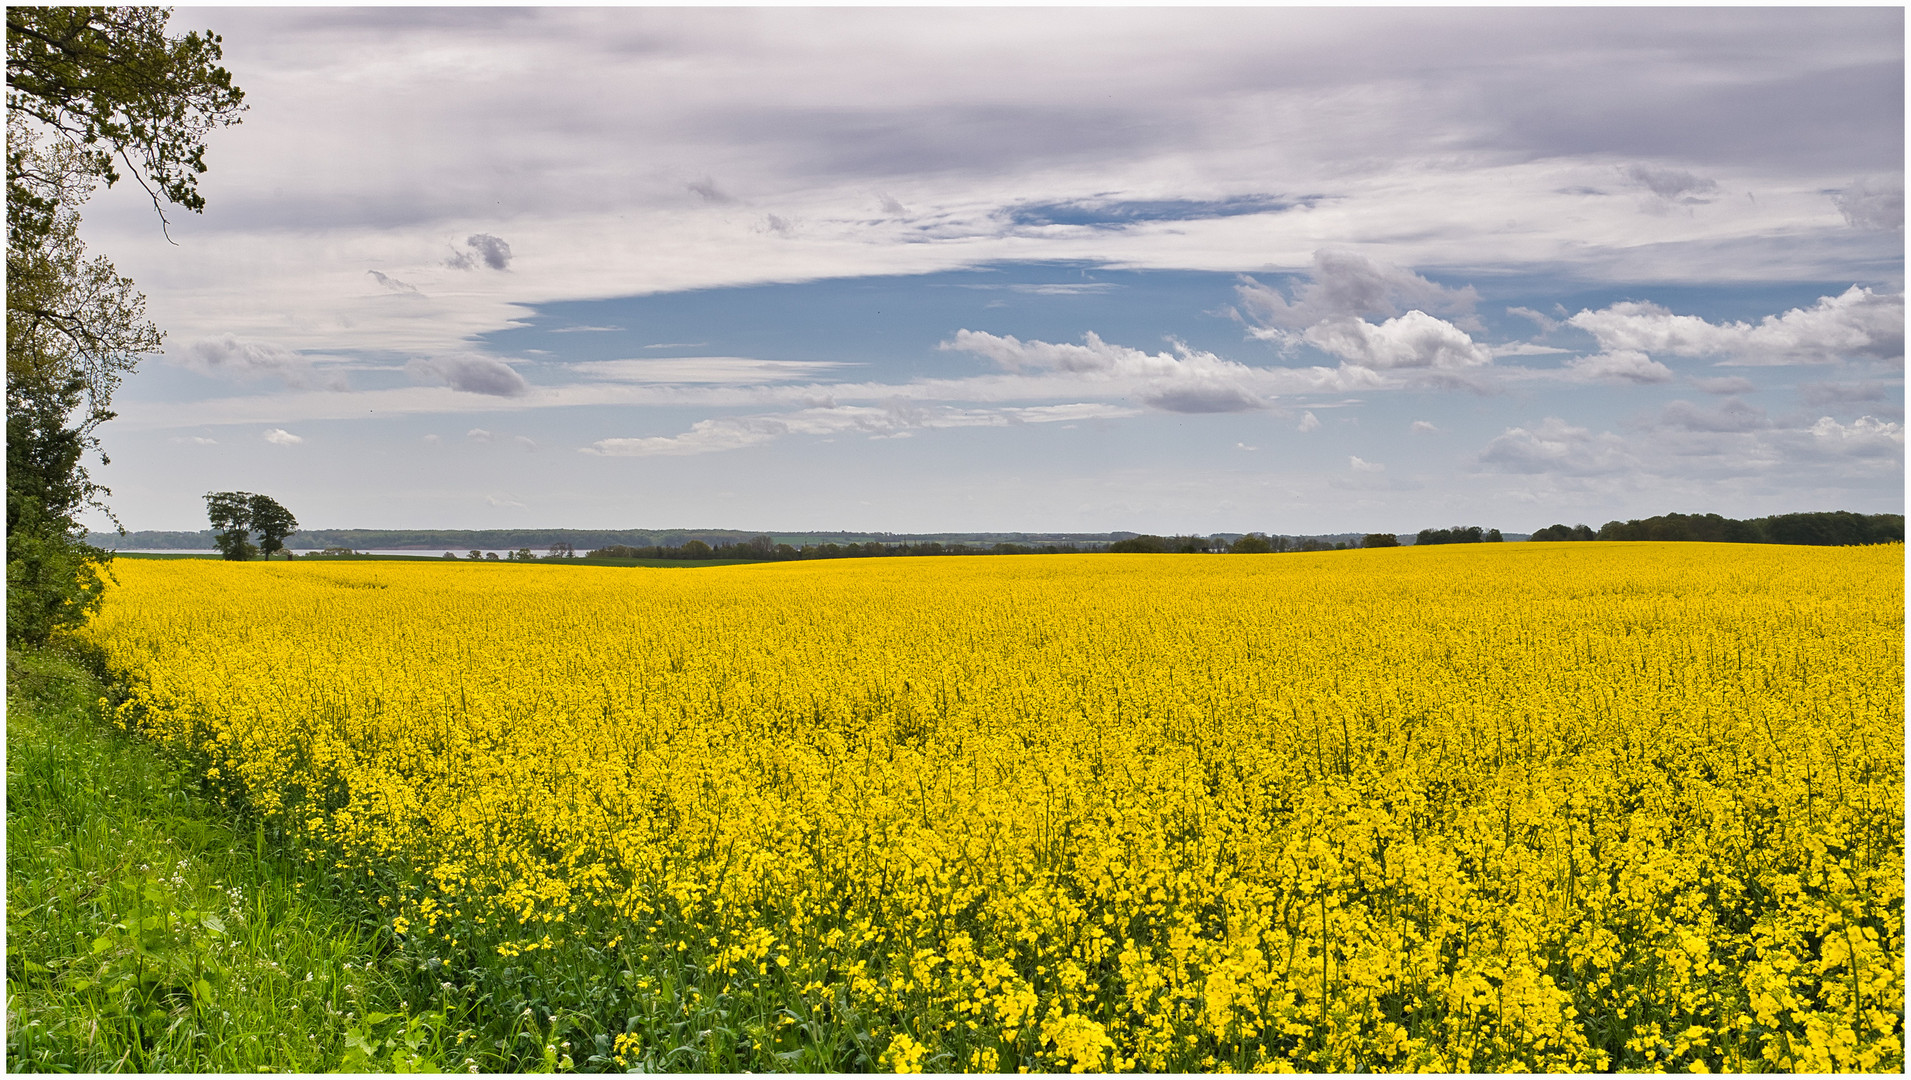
(1287, 270)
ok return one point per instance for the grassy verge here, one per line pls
(148, 931)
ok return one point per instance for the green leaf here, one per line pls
(213, 923)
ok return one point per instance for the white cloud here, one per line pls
(1554, 446)
(1855, 324)
(1415, 341)
(1545, 322)
(1346, 284)
(478, 434)
(1619, 366)
(705, 369)
(895, 420)
(1309, 422)
(193, 440)
(471, 374)
(1082, 410)
(1527, 348)
(1423, 427)
(1875, 203)
(524, 442)
(1362, 466)
(1188, 381)
(1866, 436)
(282, 437)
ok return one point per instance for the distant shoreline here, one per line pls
(460, 541)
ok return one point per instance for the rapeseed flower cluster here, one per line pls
(1534, 806)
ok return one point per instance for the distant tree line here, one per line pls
(766, 549)
(1251, 544)
(1458, 534)
(1837, 528)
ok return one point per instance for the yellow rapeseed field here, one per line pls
(1523, 806)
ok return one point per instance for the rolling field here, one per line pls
(1483, 807)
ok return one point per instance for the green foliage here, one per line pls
(236, 515)
(1563, 532)
(1459, 534)
(85, 87)
(53, 575)
(1147, 544)
(54, 579)
(1830, 529)
(110, 82)
(272, 522)
(231, 514)
(1379, 540)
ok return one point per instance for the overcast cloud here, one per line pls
(946, 268)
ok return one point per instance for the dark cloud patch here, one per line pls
(1116, 214)
(1820, 394)
(1347, 284)
(1875, 203)
(1673, 185)
(393, 283)
(471, 374)
(1730, 384)
(1848, 116)
(227, 356)
(1201, 396)
(483, 249)
(957, 139)
(1732, 415)
(707, 190)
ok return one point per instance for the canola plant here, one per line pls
(1502, 807)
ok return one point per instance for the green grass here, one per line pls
(149, 931)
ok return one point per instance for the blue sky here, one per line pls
(1277, 269)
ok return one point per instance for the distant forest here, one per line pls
(1837, 528)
